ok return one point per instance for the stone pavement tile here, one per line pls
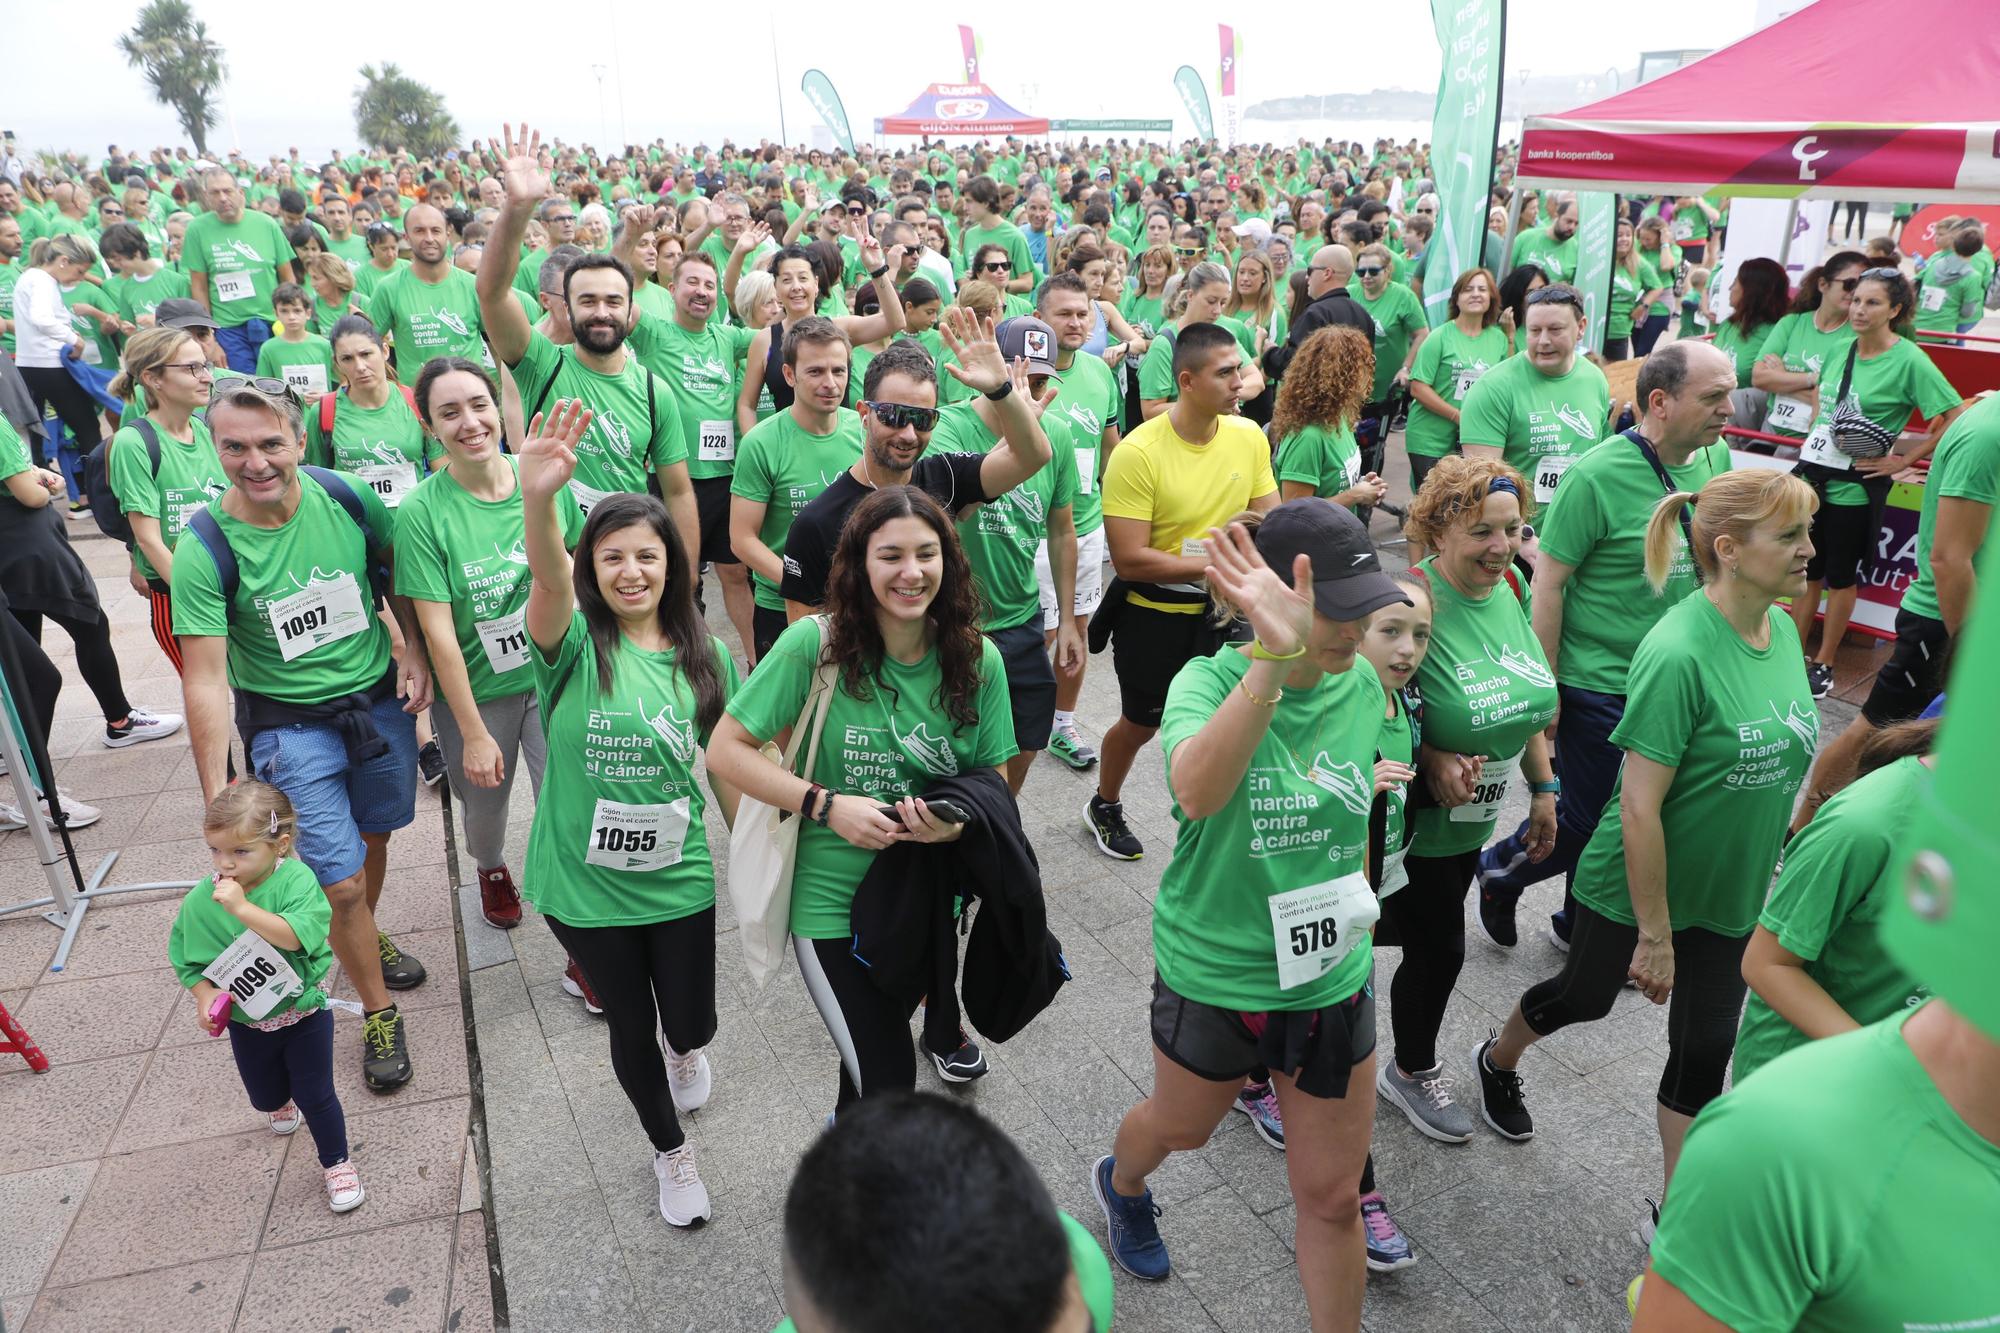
(1589, 1047)
(26, 944)
(471, 1306)
(119, 937)
(711, 1277)
(1218, 1245)
(192, 1092)
(1251, 1167)
(437, 1054)
(1273, 1301)
(1564, 1302)
(414, 900)
(421, 844)
(1632, 1082)
(36, 1210)
(14, 1309)
(471, 1192)
(1157, 1307)
(541, 955)
(486, 945)
(174, 814)
(200, 1295)
(582, 1057)
(386, 1280)
(498, 991)
(1623, 1151)
(172, 1205)
(560, 1012)
(1086, 1105)
(180, 856)
(65, 1115)
(437, 950)
(1051, 1045)
(109, 775)
(1426, 1298)
(408, 1157)
(1131, 943)
(83, 1020)
(184, 1024)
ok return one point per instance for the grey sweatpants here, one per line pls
(515, 724)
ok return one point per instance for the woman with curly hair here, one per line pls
(918, 693)
(1319, 401)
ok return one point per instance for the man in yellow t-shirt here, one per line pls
(1192, 468)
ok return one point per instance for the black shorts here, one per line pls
(1841, 537)
(1914, 673)
(765, 627)
(1316, 1048)
(711, 509)
(1031, 682)
(1148, 649)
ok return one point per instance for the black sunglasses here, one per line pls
(261, 383)
(898, 415)
(1555, 296)
(1373, 270)
(998, 265)
(855, 210)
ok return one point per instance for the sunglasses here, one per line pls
(1372, 271)
(1873, 273)
(856, 211)
(562, 217)
(1846, 284)
(998, 266)
(1554, 296)
(261, 383)
(898, 415)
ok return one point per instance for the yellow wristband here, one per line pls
(1259, 653)
(1249, 694)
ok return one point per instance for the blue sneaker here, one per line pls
(1136, 1246)
(1388, 1247)
(1260, 1104)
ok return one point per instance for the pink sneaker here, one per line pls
(343, 1188)
(285, 1120)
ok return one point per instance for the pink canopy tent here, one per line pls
(969, 109)
(1850, 99)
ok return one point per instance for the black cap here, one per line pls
(1348, 581)
(182, 313)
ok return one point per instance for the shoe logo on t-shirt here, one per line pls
(1576, 419)
(247, 252)
(933, 752)
(1030, 503)
(1803, 723)
(615, 432)
(1344, 780)
(1512, 659)
(518, 555)
(451, 320)
(675, 733)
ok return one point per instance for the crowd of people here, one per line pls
(423, 466)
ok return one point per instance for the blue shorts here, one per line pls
(242, 343)
(337, 802)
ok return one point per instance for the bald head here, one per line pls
(424, 229)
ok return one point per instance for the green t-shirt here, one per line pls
(1002, 233)
(1298, 822)
(202, 931)
(1828, 903)
(354, 250)
(1690, 224)
(1627, 286)
(1542, 423)
(1966, 466)
(190, 476)
(634, 430)
(1666, 262)
(1156, 369)
(1888, 388)
(1556, 259)
(385, 446)
(1088, 401)
(367, 278)
(701, 373)
(1144, 313)
(1948, 298)
(303, 590)
(1002, 536)
(133, 297)
(1401, 735)
(619, 838)
(1804, 347)
(1487, 690)
(306, 364)
(423, 320)
(784, 467)
(10, 274)
(1398, 316)
(1745, 348)
(241, 260)
(1789, 1207)
(1450, 363)
(1739, 727)
(1597, 525)
(1325, 458)
(886, 746)
(455, 548)
(100, 348)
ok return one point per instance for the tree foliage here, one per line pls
(183, 67)
(393, 110)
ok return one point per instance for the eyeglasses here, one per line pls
(561, 217)
(1845, 284)
(998, 266)
(1372, 271)
(111, 212)
(898, 415)
(191, 367)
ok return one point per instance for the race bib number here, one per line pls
(1395, 875)
(1488, 793)
(235, 286)
(1933, 298)
(716, 442)
(1549, 474)
(312, 379)
(1463, 379)
(1194, 548)
(1313, 928)
(1683, 230)
(505, 641)
(391, 481)
(314, 617)
(255, 974)
(637, 837)
(1820, 448)
(1086, 471)
(587, 498)
(1790, 414)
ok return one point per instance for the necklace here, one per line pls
(1310, 767)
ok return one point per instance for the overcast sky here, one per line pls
(704, 78)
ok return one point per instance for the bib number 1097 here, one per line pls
(312, 619)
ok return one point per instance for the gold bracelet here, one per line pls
(1271, 702)
(1259, 653)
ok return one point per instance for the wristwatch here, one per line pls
(997, 394)
(1549, 788)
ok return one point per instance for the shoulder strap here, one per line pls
(209, 533)
(812, 718)
(1847, 372)
(548, 386)
(343, 495)
(409, 398)
(1652, 457)
(327, 404)
(151, 436)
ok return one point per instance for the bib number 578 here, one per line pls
(1312, 936)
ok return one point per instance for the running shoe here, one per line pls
(140, 725)
(1496, 917)
(1556, 935)
(385, 1046)
(1068, 745)
(1820, 677)
(1650, 1223)
(285, 1120)
(1425, 1099)
(399, 970)
(1500, 1103)
(1260, 1104)
(575, 983)
(343, 1188)
(962, 1065)
(1135, 1246)
(1106, 822)
(499, 900)
(683, 1198)
(1632, 1295)
(430, 763)
(76, 814)
(689, 1078)
(1388, 1248)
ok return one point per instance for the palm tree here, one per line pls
(181, 64)
(393, 110)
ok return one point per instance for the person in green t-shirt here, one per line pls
(1201, 298)
(255, 932)
(1718, 731)
(1543, 410)
(1593, 606)
(1553, 248)
(1808, 343)
(1447, 365)
(300, 358)
(384, 261)
(1319, 401)
(1400, 328)
(630, 684)
(1266, 908)
(140, 282)
(429, 307)
(369, 427)
(1635, 285)
(1757, 300)
(235, 260)
(1952, 289)
(984, 225)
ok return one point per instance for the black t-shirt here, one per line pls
(950, 479)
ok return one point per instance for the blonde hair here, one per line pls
(1454, 491)
(1267, 300)
(254, 807)
(981, 296)
(1733, 504)
(64, 245)
(149, 349)
(333, 270)
(752, 290)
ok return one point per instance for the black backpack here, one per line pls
(229, 576)
(96, 483)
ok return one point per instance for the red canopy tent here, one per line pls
(969, 109)
(1850, 99)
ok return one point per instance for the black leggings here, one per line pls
(95, 660)
(1702, 1013)
(1428, 917)
(870, 1028)
(51, 386)
(44, 678)
(650, 979)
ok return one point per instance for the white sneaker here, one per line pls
(78, 814)
(285, 1120)
(141, 725)
(683, 1198)
(343, 1188)
(688, 1077)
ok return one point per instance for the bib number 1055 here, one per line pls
(627, 840)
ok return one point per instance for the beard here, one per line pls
(599, 337)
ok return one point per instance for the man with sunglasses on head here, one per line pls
(1544, 409)
(985, 225)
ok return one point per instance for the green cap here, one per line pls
(1943, 920)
